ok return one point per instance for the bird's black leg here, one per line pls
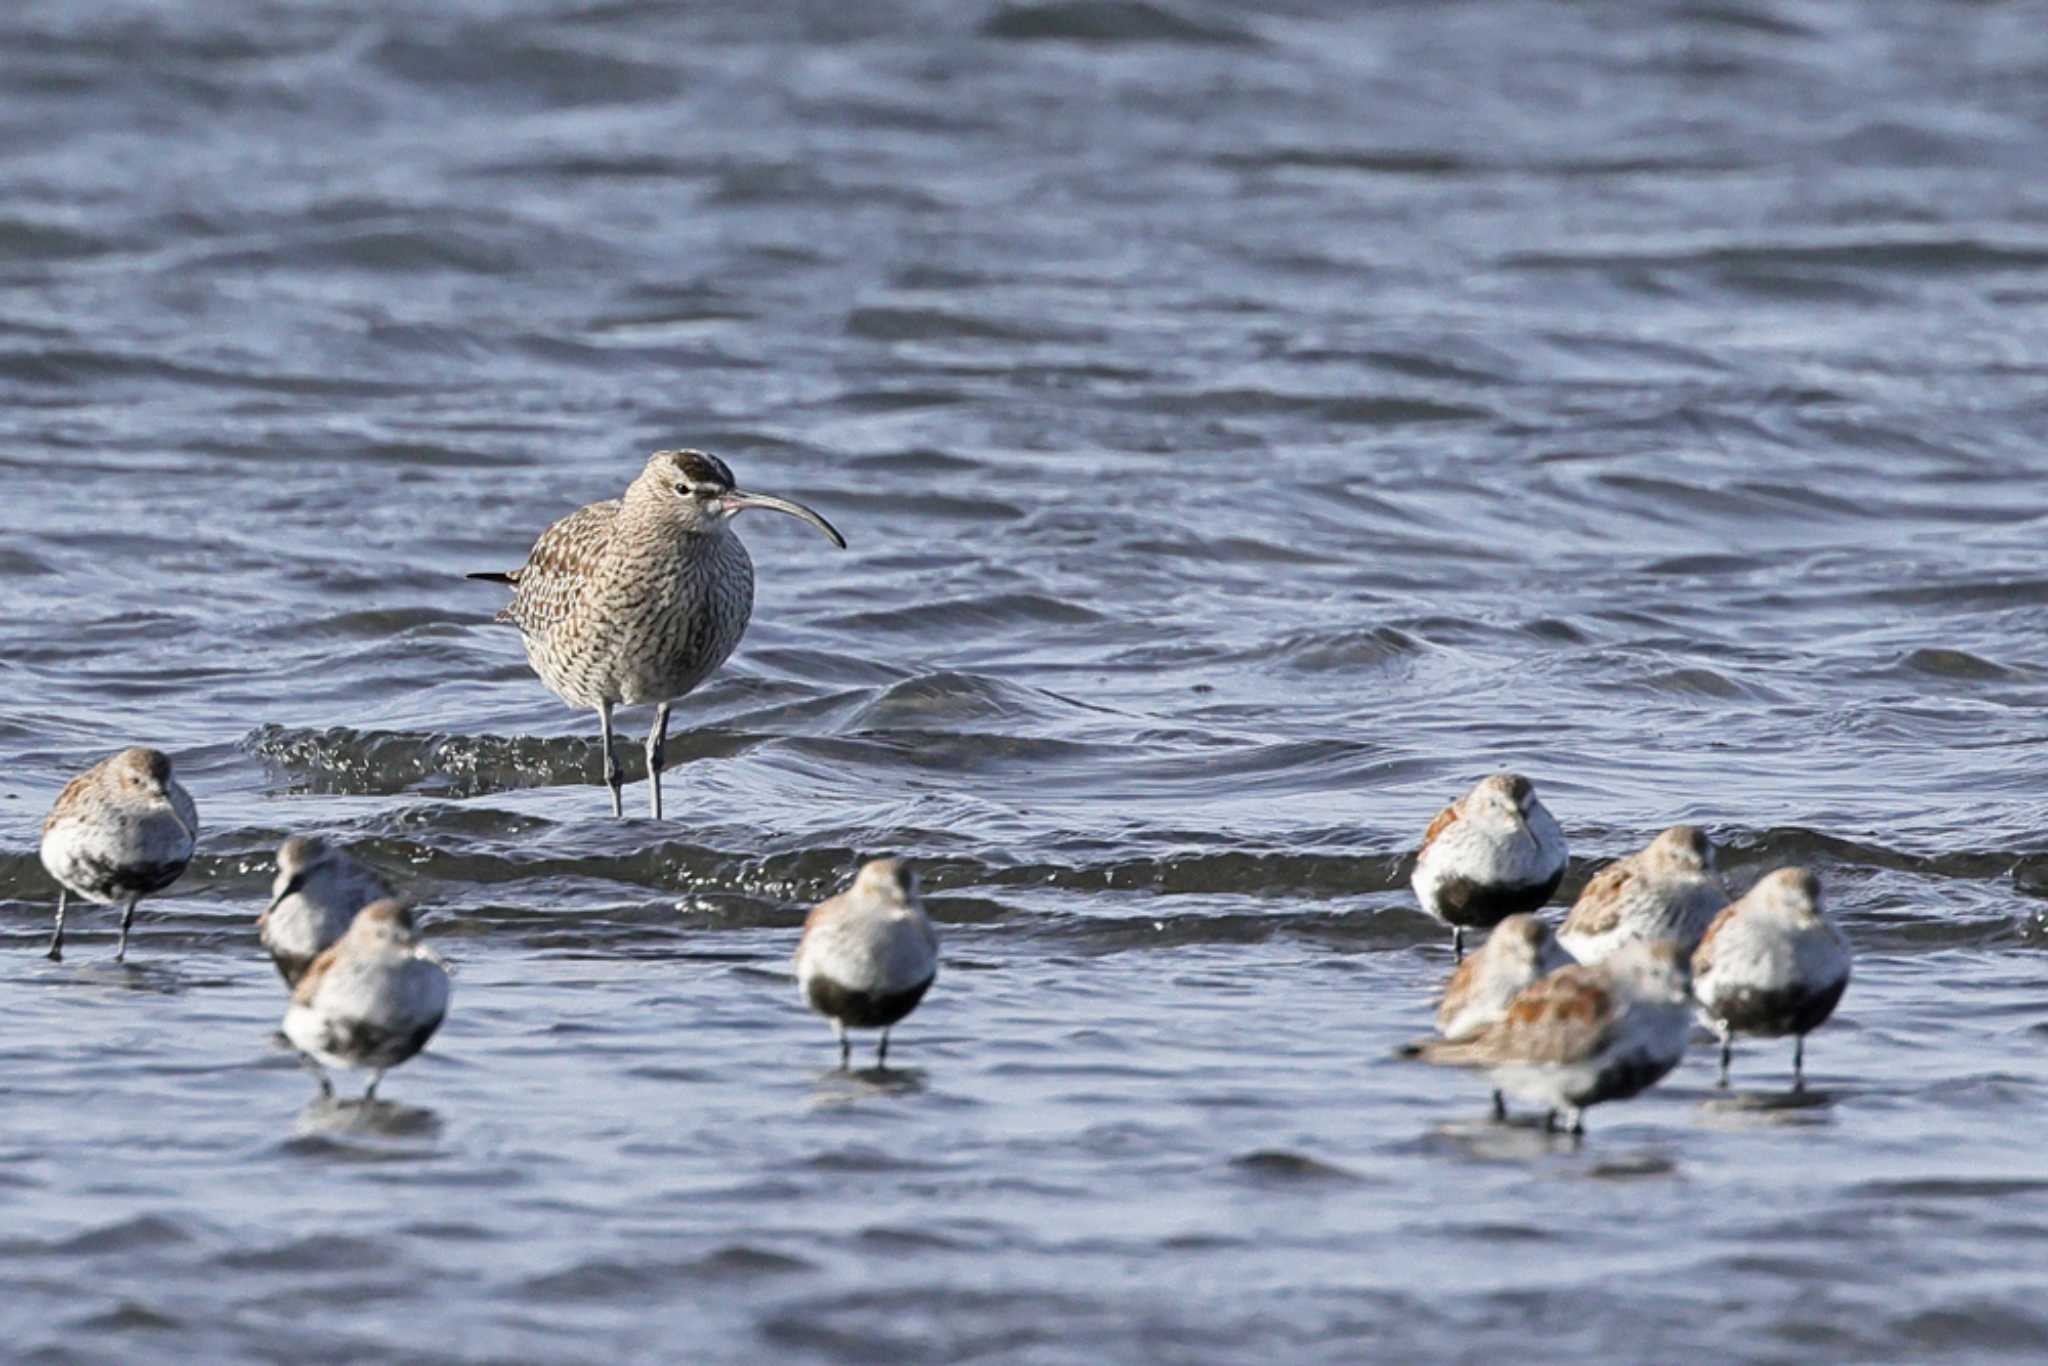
(1799, 1063)
(1727, 1056)
(845, 1045)
(311, 1064)
(882, 1050)
(1457, 943)
(1500, 1108)
(614, 777)
(56, 954)
(657, 741)
(127, 919)
(370, 1091)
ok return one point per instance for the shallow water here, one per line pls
(1250, 427)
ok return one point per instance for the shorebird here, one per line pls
(372, 1000)
(119, 831)
(1666, 890)
(1520, 950)
(1493, 853)
(868, 955)
(640, 598)
(1583, 1035)
(313, 900)
(1771, 965)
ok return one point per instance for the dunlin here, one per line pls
(1584, 1035)
(1520, 950)
(1666, 890)
(372, 1000)
(121, 830)
(1493, 853)
(640, 598)
(1771, 965)
(868, 955)
(313, 900)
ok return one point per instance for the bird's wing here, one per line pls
(1458, 991)
(62, 805)
(561, 562)
(1566, 1017)
(1445, 819)
(1703, 956)
(1598, 908)
(309, 985)
(822, 913)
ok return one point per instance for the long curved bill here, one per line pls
(736, 500)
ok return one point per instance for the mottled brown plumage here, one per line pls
(639, 599)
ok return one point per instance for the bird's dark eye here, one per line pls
(684, 489)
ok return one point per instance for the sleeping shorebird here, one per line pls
(1493, 853)
(1583, 1035)
(119, 831)
(372, 1000)
(313, 900)
(1666, 890)
(1771, 965)
(1520, 950)
(641, 598)
(868, 955)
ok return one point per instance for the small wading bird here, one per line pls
(1520, 950)
(1583, 1035)
(313, 900)
(119, 831)
(1493, 853)
(372, 1000)
(1771, 965)
(868, 955)
(1665, 890)
(641, 598)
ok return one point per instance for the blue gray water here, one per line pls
(1251, 425)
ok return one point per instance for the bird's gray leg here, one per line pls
(1457, 943)
(1727, 1056)
(657, 741)
(1550, 1122)
(845, 1045)
(370, 1092)
(56, 954)
(1500, 1108)
(882, 1049)
(1578, 1126)
(1799, 1063)
(613, 777)
(127, 919)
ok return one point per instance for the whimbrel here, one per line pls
(119, 831)
(1771, 965)
(641, 598)
(313, 900)
(1493, 853)
(372, 1000)
(868, 955)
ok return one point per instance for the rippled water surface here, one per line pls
(1250, 426)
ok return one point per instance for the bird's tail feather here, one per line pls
(1444, 1052)
(494, 576)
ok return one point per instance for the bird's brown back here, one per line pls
(561, 563)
